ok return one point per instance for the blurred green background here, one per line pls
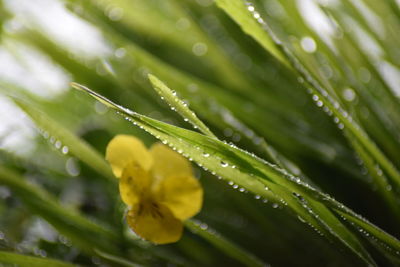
(243, 92)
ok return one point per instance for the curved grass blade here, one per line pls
(356, 135)
(223, 244)
(30, 261)
(178, 105)
(250, 25)
(84, 233)
(75, 145)
(314, 221)
(237, 166)
(333, 224)
(118, 260)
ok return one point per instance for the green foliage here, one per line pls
(295, 135)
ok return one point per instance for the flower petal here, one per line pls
(155, 223)
(168, 162)
(183, 195)
(124, 149)
(134, 184)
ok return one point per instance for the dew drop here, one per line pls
(120, 52)
(203, 226)
(301, 219)
(65, 150)
(308, 44)
(199, 49)
(224, 164)
(349, 94)
(116, 13)
(58, 144)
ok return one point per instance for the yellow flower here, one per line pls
(157, 184)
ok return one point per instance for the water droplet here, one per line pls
(72, 167)
(308, 44)
(199, 49)
(58, 144)
(257, 196)
(224, 164)
(192, 87)
(120, 52)
(301, 219)
(349, 94)
(65, 150)
(206, 155)
(182, 24)
(115, 13)
(256, 15)
(203, 226)
(275, 205)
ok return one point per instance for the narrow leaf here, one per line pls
(237, 166)
(223, 244)
(76, 145)
(30, 261)
(83, 232)
(178, 105)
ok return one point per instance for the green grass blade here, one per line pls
(236, 10)
(236, 166)
(118, 260)
(76, 145)
(30, 261)
(355, 132)
(82, 231)
(223, 244)
(178, 105)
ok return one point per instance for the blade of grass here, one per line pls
(83, 232)
(30, 261)
(344, 120)
(178, 105)
(232, 164)
(220, 242)
(76, 145)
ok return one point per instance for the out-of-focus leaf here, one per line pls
(30, 261)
